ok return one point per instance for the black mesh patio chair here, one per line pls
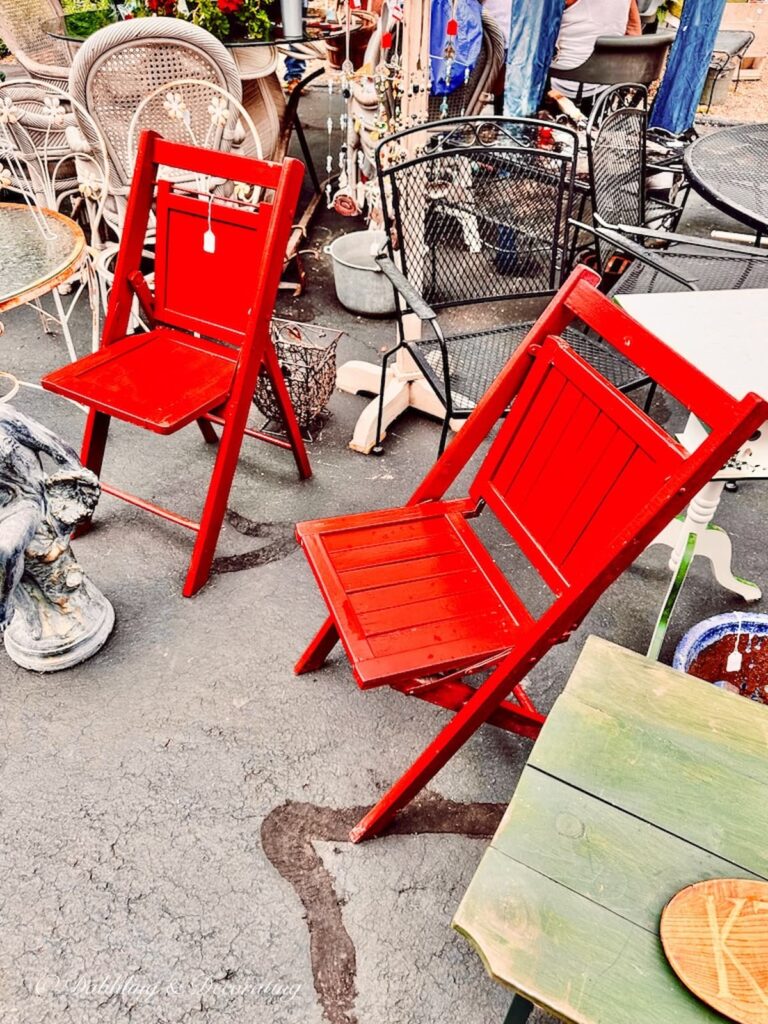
(476, 212)
(618, 59)
(619, 169)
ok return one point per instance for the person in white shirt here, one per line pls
(583, 21)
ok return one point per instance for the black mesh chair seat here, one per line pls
(706, 271)
(476, 359)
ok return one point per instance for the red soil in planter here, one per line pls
(752, 678)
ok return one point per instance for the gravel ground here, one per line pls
(747, 102)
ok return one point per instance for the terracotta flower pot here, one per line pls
(363, 24)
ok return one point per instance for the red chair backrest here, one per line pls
(571, 465)
(202, 288)
(227, 294)
(578, 475)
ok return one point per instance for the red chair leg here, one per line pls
(442, 748)
(95, 440)
(92, 451)
(214, 509)
(272, 367)
(319, 648)
(206, 429)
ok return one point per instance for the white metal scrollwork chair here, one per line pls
(45, 159)
(22, 29)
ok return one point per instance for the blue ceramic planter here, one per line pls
(708, 631)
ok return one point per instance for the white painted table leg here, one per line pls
(712, 542)
(397, 395)
(700, 514)
(715, 544)
(356, 376)
(406, 388)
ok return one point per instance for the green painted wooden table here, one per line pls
(642, 781)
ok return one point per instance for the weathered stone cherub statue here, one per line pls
(52, 615)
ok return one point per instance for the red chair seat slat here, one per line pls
(449, 567)
(129, 379)
(451, 587)
(426, 598)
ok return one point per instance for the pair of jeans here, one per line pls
(294, 69)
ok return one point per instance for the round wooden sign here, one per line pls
(715, 936)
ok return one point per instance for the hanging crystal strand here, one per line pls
(465, 94)
(329, 155)
(397, 79)
(451, 32)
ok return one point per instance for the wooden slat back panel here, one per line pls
(571, 466)
(671, 371)
(210, 292)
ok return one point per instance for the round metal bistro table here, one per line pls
(728, 168)
(39, 249)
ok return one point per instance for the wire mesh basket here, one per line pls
(307, 357)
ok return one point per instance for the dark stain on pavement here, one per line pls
(280, 538)
(288, 834)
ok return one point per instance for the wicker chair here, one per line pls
(120, 65)
(45, 161)
(22, 29)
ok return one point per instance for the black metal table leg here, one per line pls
(519, 1011)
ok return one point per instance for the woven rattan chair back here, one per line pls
(477, 209)
(616, 153)
(23, 30)
(202, 114)
(118, 66)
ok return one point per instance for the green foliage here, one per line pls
(208, 16)
(254, 19)
(225, 19)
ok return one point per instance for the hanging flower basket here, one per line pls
(307, 357)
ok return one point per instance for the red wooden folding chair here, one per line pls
(578, 476)
(217, 270)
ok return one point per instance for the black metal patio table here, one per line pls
(728, 168)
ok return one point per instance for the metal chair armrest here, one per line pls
(671, 236)
(634, 249)
(411, 294)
